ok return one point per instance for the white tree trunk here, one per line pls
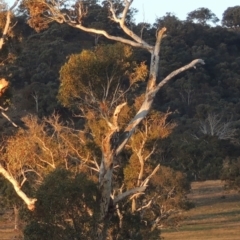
(29, 201)
(16, 217)
(7, 24)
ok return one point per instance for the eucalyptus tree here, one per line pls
(231, 17)
(202, 16)
(110, 104)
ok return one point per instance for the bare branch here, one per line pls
(142, 44)
(214, 126)
(8, 21)
(121, 22)
(146, 106)
(145, 206)
(125, 10)
(29, 201)
(14, 5)
(155, 60)
(128, 193)
(145, 182)
(36, 98)
(7, 24)
(152, 151)
(46, 149)
(8, 118)
(178, 71)
(59, 17)
(116, 114)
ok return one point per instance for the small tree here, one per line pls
(65, 208)
(231, 173)
(215, 126)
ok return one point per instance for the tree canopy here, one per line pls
(202, 16)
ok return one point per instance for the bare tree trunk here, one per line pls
(16, 217)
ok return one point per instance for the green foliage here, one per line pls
(200, 158)
(8, 196)
(202, 16)
(231, 172)
(97, 75)
(166, 192)
(171, 22)
(34, 62)
(134, 227)
(195, 95)
(98, 127)
(171, 187)
(65, 208)
(48, 144)
(231, 17)
(131, 172)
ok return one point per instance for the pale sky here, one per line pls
(150, 9)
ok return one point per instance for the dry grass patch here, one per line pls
(7, 231)
(216, 215)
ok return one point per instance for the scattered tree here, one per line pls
(231, 173)
(202, 16)
(231, 17)
(214, 126)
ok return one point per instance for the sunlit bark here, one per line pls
(29, 201)
(7, 24)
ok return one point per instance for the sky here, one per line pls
(149, 10)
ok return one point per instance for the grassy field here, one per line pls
(215, 217)
(7, 231)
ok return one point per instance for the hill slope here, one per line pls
(215, 217)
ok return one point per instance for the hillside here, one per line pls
(216, 215)
(103, 131)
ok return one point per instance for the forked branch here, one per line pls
(7, 24)
(29, 201)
